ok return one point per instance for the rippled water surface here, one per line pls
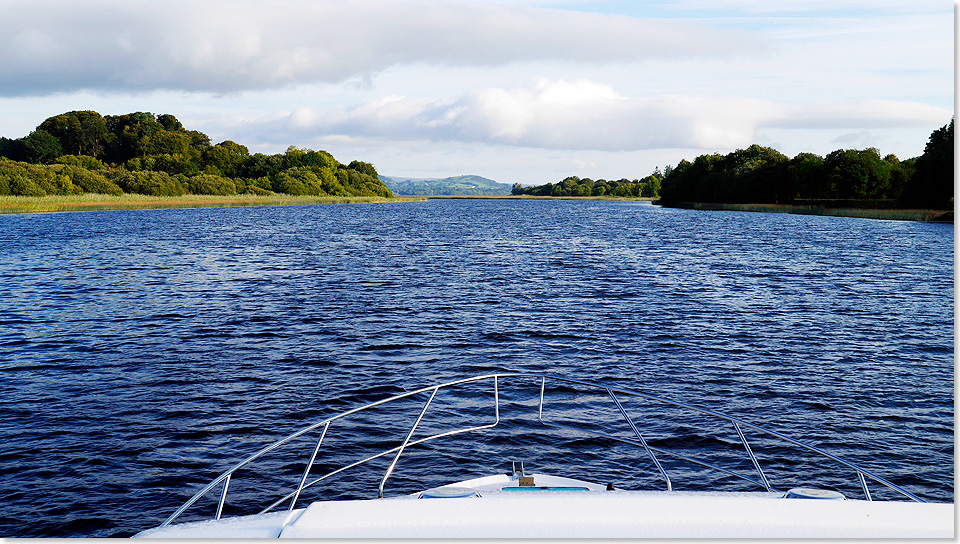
(146, 351)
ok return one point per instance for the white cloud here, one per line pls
(235, 45)
(584, 165)
(432, 85)
(813, 7)
(586, 115)
(854, 139)
(861, 113)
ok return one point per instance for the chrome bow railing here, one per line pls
(616, 395)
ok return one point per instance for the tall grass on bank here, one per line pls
(863, 213)
(92, 202)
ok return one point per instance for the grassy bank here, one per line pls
(865, 213)
(90, 202)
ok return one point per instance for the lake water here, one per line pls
(146, 351)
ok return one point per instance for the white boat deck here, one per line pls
(592, 513)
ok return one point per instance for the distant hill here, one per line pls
(452, 186)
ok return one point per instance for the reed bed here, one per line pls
(863, 213)
(92, 202)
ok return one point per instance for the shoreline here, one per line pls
(534, 197)
(95, 202)
(133, 201)
(894, 214)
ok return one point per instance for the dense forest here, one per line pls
(83, 152)
(761, 175)
(575, 186)
(848, 177)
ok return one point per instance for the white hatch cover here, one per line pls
(811, 493)
(449, 492)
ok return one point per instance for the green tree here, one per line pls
(857, 174)
(94, 136)
(900, 174)
(66, 129)
(14, 150)
(227, 157)
(676, 182)
(130, 131)
(259, 165)
(163, 142)
(650, 185)
(364, 168)
(79, 132)
(807, 176)
(198, 141)
(176, 163)
(932, 183)
(170, 123)
(42, 147)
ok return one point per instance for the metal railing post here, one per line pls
(642, 441)
(543, 384)
(496, 399)
(863, 483)
(763, 477)
(223, 496)
(306, 470)
(405, 441)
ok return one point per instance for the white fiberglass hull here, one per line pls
(592, 512)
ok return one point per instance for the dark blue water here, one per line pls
(143, 352)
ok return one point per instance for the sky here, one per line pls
(525, 91)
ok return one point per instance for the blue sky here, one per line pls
(518, 91)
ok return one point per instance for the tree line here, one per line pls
(762, 175)
(575, 186)
(84, 152)
(846, 177)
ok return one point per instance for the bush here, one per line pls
(256, 190)
(60, 184)
(260, 183)
(89, 181)
(8, 171)
(81, 161)
(299, 182)
(149, 183)
(21, 186)
(205, 184)
(24, 179)
(359, 184)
